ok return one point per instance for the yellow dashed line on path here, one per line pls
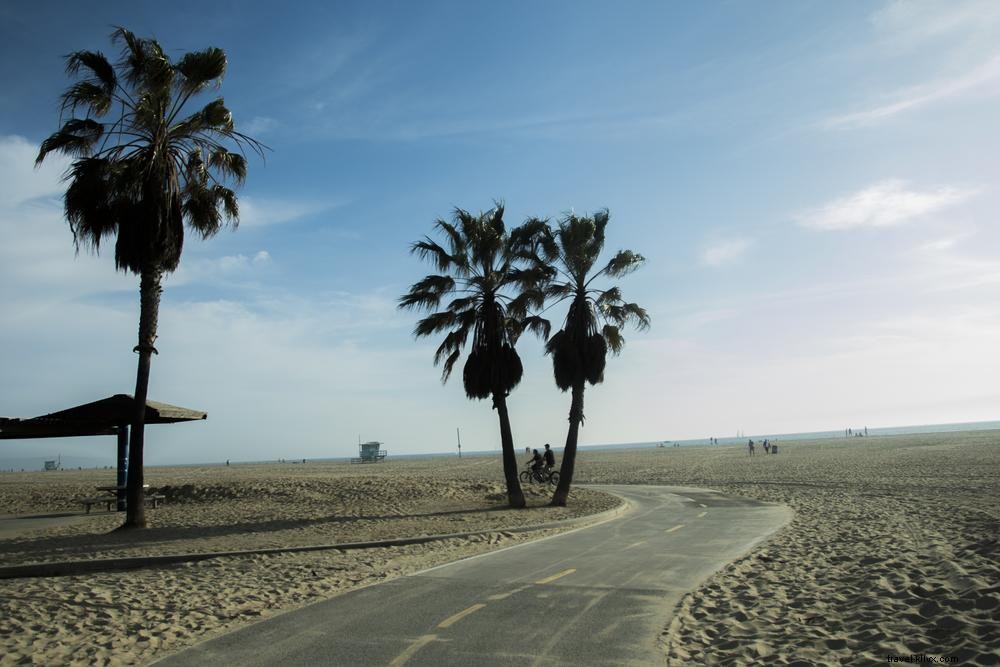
(702, 514)
(451, 620)
(411, 650)
(635, 544)
(701, 505)
(503, 596)
(677, 527)
(548, 580)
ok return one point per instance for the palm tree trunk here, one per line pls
(515, 496)
(561, 495)
(149, 310)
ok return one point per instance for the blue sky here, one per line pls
(814, 185)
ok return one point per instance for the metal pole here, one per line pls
(122, 464)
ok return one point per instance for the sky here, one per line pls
(814, 186)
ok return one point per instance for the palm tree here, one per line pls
(593, 323)
(142, 173)
(489, 298)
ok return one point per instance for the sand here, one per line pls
(892, 551)
(133, 617)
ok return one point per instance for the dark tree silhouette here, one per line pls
(593, 322)
(141, 171)
(489, 296)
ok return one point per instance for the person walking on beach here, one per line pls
(750, 447)
(550, 458)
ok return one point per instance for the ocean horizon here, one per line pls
(30, 464)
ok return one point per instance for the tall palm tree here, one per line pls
(593, 322)
(142, 170)
(490, 295)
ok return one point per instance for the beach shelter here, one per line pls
(108, 416)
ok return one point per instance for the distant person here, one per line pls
(227, 463)
(767, 447)
(550, 457)
(750, 447)
(535, 462)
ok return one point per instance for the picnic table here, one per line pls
(111, 494)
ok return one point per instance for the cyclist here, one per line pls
(535, 462)
(550, 458)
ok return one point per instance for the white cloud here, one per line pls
(912, 98)
(255, 212)
(258, 125)
(912, 22)
(20, 181)
(724, 252)
(884, 204)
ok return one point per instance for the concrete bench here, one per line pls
(106, 500)
(112, 501)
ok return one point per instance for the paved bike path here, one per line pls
(595, 596)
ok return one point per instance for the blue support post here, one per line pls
(122, 465)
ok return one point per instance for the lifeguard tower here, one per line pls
(370, 452)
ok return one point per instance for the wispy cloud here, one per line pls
(984, 75)
(912, 22)
(724, 252)
(884, 204)
(259, 212)
(258, 126)
(20, 181)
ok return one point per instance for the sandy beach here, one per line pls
(892, 551)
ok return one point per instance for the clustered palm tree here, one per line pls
(497, 280)
(490, 278)
(143, 167)
(593, 321)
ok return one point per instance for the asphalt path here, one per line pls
(599, 595)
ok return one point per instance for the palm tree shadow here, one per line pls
(66, 545)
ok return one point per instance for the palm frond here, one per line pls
(527, 300)
(449, 365)
(612, 295)
(76, 138)
(88, 202)
(199, 69)
(624, 262)
(462, 304)
(537, 325)
(526, 237)
(427, 293)
(428, 249)
(94, 97)
(231, 165)
(98, 66)
(434, 323)
(614, 338)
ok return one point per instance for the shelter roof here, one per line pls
(101, 417)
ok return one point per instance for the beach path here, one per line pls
(597, 595)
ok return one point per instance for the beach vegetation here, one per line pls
(594, 318)
(144, 165)
(488, 280)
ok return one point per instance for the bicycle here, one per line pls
(542, 476)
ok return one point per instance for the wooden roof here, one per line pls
(101, 417)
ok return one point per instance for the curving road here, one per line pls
(598, 595)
